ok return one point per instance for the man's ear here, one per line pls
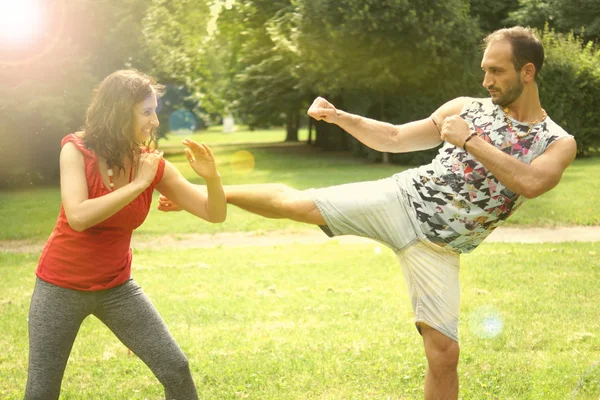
(528, 72)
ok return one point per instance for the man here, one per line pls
(498, 152)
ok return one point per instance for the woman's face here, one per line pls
(144, 118)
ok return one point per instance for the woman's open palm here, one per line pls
(201, 159)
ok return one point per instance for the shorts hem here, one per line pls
(445, 332)
(327, 228)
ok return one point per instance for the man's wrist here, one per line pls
(471, 136)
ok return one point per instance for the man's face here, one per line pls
(502, 81)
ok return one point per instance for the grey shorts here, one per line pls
(380, 211)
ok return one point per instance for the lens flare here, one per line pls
(29, 30)
(242, 162)
(20, 21)
(486, 322)
(182, 122)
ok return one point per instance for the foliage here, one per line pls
(232, 59)
(264, 61)
(570, 87)
(32, 213)
(41, 103)
(492, 15)
(380, 46)
(579, 16)
(47, 84)
(391, 60)
(268, 85)
(184, 51)
(361, 52)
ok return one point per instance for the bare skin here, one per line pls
(83, 212)
(517, 90)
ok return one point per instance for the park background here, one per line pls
(301, 321)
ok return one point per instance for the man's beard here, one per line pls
(510, 95)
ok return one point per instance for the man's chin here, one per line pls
(499, 101)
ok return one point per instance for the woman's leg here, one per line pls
(55, 315)
(128, 312)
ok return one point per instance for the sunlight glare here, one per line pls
(242, 162)
(20, 21)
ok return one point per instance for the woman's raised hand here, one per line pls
(201, 159)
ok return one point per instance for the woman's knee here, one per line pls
(176, 369)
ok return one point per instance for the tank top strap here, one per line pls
(79, 143)
(92, 172)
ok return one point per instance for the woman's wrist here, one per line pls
(216, 178)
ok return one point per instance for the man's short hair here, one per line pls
(526, 46)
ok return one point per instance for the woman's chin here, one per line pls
(143, 137)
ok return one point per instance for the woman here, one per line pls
(107, 180)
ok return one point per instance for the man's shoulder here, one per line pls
(555, 129)
(477, 105)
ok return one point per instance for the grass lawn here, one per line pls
(241, 135)
(32, 213)
(334, 322)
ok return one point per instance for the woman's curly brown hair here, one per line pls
(109, 118)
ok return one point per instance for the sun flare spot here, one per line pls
(20, 21)
(242, 162)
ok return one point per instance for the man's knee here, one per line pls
(441, 351)
(299, 206)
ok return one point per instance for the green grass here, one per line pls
(333, 322)
(32, 213)
(215, 136)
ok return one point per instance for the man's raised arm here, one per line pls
(382, 136)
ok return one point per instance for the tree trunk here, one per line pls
(310, 126)
(293, 120)
(330, 136)
(386, 156)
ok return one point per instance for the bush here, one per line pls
(570, 86)
(42, 102)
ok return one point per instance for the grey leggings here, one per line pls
(56, 314)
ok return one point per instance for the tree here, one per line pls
(267, 84)
(493, 15)
(231, 59)
(47, 83)
(383, 59)
(580, 16)
(570, 86)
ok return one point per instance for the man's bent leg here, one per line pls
(441, 380)
(275, 201)
(432, 278)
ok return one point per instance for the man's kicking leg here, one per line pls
(275, 201)
(270, 200)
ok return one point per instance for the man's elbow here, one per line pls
(535, 189)
(529, 194)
